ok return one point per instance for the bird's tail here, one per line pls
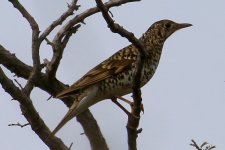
(81, 103)
(69, 115)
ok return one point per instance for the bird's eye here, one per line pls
(168, 25)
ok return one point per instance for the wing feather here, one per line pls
(115, 64)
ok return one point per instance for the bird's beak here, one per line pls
(183, 25)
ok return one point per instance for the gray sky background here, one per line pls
(185, 99)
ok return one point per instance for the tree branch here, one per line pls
(41, 80)
(204, 146)
(87, 121)
(64, 33)
(71, 8)
(58, 49)
(32, 116)
(19, 124)
(25, 14)
(35, 45)
(133, 120)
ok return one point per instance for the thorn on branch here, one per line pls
(82, 21)
(111, 13)
(139, 131)
(76, 7)
(75, 28)
(18, 84)
(47, 64)
(70, 146)
(72, 30)
(68, 5)
(49, 42)
(49, 98)
(18, 124)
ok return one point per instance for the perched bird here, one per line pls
(114, 76)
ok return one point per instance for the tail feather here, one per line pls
(67, 92)
(83, 100)
(69, 115)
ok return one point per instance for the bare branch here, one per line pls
(194, 144)
(80, 18)
(116, 28)
(87, 121)
(35, 44)
(24, 12)
(69, 33)
(18, 124)
(70, 146)
(32, 116)
(18, 84)
(71, 8)
(64, 34)
(53, 65)
(12, 63)
(36, 78)
(36, 62)
(204, 146)
(133, 122)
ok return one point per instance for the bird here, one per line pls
(114, 76)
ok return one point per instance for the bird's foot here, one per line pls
(114, 100)
(130, 103)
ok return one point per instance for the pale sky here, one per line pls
(184, 100)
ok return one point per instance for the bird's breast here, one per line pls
(121, 84)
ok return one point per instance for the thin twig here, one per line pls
(25, 14)
(204, 146)
(49, 42)
(80, 17)
(63, 32)
(70, 11)
(58, 49)
(35, 45)
(18, 84)
(116, 28)
(70, 146)
(62, 36)
(18, 124)
(194, 144)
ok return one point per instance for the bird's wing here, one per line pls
(115, 64)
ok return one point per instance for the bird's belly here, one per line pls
(113, 87)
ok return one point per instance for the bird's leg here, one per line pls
(130, 103)
(125, 100)
(114, 100)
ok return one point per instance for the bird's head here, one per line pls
(164, 28)
(161, 30)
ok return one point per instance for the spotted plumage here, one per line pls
(114, 76)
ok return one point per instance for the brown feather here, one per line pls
(111, 66)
